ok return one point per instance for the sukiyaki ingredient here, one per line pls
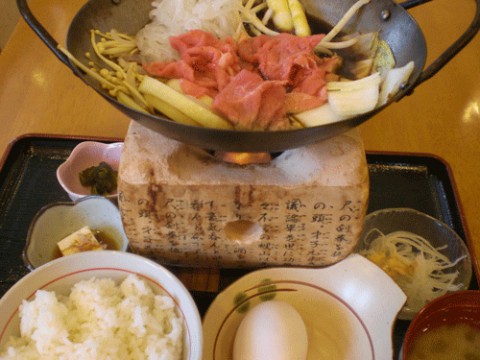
(255, 83)
(289, 16)
(120, 79)
(170, 111)
(184, 104)
(320, 115)
(129, 102)
(271, 330)
(421, 270)
(351, 98)
(115, 44)
(343, 21)
(282, 17)
(206, 63)
(173, 17)
(216, 51)
(300, 23)
(249, 102)
(383, 59)
(251, 21)
(358, 59)
(392, 82)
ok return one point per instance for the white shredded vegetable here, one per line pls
(344, 20)
(420, 269)
(173, 17)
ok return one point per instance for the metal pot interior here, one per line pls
(394, 24)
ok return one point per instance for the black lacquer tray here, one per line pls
(28, 182)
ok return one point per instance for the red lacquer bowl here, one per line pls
(450, 309)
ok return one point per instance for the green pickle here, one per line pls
(101, 179)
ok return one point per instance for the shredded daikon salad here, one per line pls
(420, 269)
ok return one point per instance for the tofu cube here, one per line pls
(81, 240)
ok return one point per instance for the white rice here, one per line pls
(98, 320)
(175, 17)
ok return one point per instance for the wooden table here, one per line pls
(39, 95)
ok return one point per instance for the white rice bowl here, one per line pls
(100, 305)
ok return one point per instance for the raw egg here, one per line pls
(271, 330)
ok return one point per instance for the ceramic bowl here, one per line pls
(85, 155)
(438, 234)
(61, 274)
(55, 221)
(348, 308)
(445, 312)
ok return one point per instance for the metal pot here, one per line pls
(392, 20)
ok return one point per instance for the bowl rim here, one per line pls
(408, 210)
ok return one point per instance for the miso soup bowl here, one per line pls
(462, 307)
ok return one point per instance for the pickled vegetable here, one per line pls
(101, 179)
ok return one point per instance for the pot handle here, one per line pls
(454, 49)
(42, 33)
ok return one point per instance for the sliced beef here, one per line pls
(252, 103)
(254, 83)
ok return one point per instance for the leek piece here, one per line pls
(281, 14)
(392, 82)
(384, 59)
(299, 19)
(351, 98)
(189, 107)
(131, 103)
(173, 113)
(321, 115)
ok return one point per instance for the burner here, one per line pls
(182, 206)
(243, 158)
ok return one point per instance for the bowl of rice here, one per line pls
(423, 255)
(100, 305)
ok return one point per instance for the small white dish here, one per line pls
(61, 274)
(85, 155)
(55, 221)
(349, 309)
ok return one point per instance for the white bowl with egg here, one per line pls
(348, 311)
(60, 275)
(55, 221)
